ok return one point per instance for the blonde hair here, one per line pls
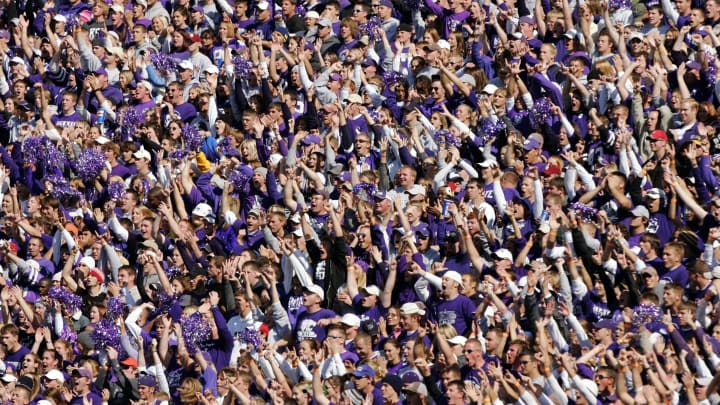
(252, 151)
(187, 390)
(604, 67)
(447, 331)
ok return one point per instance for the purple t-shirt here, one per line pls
(15, 359)
(458, 312)
(509, 193)
(307, 327)
(142, 107)
(678, 275)
(375, 312)
(660, 225)
(66, 121)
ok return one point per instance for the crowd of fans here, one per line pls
(359, 203)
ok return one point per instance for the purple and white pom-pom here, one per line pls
(239, 180)
(250, 336)
(195, 330)
(163, 62)
(116, 308)
(364, 191)
(586, 212)
(89, 164)
(412, 5)
(541, 112)
(392, 77)
(116, 190)
(711, 72)
(371, 27)
(163, 302)
(619, 4)
(54, 157)
(489, 129)
(71, 302)
(106, 334)
(191, 137)
(300, 10)
(179, 154)
(243, 67)
(173, 271)
(42, 151)
(60, 188)
(129, 123)
(447, 137)
(32, 150)
(646, 314)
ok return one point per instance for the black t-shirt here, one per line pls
(89, 300)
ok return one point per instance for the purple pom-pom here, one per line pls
(41, 151)
(106, 334)
(541, 112)
(447, 137)
(73, 21)
(89, 164)
(116, 308)
(129, 123)
(164, 302)
(32, 149)
(239, 180)
(191, 137)
(646, 314)
(179, 154)
(71, 302)
(54, 158)
(392, 77)
(586, 212)
(412, 5)
(300, 10)
(711, 72)
(619, 4)
(60, 188)
(195, 330)
(489, 129)
(243, 67)
(226, 148)
(364, 191)
(250, 337)
(116, 190)
(370, 28)
(173, 271)
(68, 334)
(162, 62)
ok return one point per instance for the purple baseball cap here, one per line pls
(82, 372)
(364, 371)
(527, 19)
(531, 144)
(693, 65)
(311, 139)
(144, 22)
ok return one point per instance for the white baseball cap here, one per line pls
(411, 308)
(316, 289)
(350, 320)
(454, 276)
